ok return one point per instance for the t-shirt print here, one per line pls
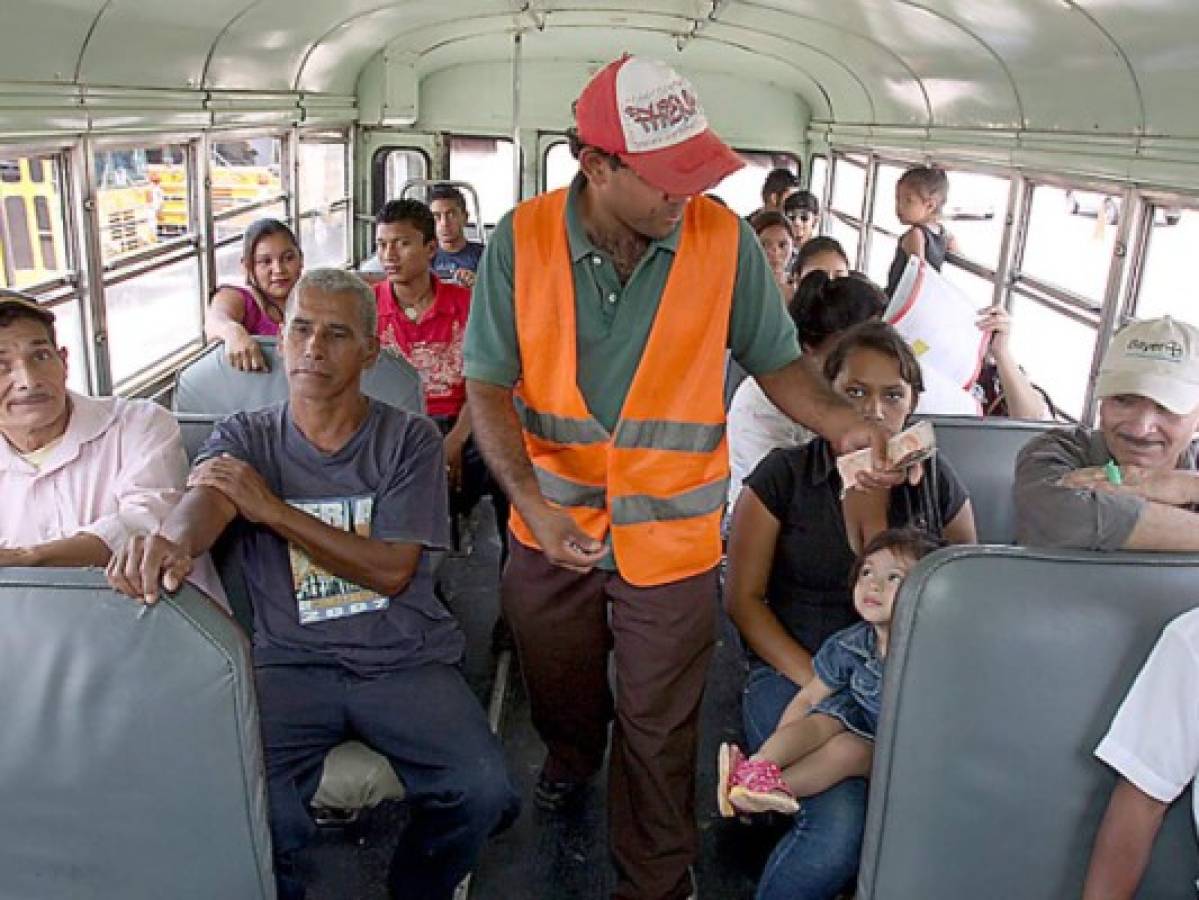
(321, 595)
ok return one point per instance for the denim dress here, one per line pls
(849, 664)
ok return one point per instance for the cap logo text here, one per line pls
(671, 110)
(1166, 351)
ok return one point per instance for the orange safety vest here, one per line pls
(658, 482)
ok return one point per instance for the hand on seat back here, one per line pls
(145, 562)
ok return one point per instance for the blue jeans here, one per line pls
(427, 722)
(818, 858)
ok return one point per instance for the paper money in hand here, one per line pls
(909, 447)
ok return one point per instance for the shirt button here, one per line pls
(596, 261)
(611, 298)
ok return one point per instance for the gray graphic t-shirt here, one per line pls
(387, 482)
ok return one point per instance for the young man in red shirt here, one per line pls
(424, 319)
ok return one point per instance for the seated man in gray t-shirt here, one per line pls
(1132, 483)
(339, 498)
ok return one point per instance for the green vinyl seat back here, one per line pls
(1005, 668)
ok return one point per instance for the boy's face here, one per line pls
(912, 207)
(878, 582)
(403, 251)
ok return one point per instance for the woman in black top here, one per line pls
(791, 549)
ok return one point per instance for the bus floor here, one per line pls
(546, 856)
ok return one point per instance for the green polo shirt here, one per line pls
(613, 321)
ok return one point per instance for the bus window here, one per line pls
(849, 186)
(246, 175)
(818, 178)
(486, 163)
(1055, 349)
(33, 247)
(742, 190)
(402, 165)
(324, 200)
(153, 315)
(976, 214)
(885, 228)
(848, 236)
(69, 330)
(1071, 236)
(1168, 271)
(558, 166)
(127, 202)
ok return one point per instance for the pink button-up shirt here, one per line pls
(119, 469)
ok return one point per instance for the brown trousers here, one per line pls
(661, 639)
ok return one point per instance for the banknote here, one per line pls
(909, 447)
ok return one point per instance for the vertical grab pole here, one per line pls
(517, 152)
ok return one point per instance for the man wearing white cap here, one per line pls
(594, 363)
(1132, 484)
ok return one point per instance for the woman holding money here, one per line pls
(794, 537)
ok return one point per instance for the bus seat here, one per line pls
(210, 385)
(983, 453)
(354, 776)
(1005, 668)
(130, 757)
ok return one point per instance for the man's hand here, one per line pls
(563, 543)
(241, 484)
(455, 441)
(245, 354)
(1173, 487)
(146, 560)
(995, 321)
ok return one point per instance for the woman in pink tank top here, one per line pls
(273, 262)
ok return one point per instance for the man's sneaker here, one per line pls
(753, 786)
(554, 796)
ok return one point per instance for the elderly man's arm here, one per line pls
(76, 550)
(1063, 501)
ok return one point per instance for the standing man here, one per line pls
(594, 362)
(457, 258)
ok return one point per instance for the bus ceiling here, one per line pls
(1116, 69)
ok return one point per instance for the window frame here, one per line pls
(344, 138)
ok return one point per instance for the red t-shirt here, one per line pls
(433, 344)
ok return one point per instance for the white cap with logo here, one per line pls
(1156, 358)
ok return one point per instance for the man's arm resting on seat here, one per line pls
(1123, 844)
(81, 549)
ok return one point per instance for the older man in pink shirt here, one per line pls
(79, 475)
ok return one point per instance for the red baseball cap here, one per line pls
(648, 116)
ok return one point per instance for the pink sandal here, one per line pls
(751, 785)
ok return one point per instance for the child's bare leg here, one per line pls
(842, 756)
(795, 740)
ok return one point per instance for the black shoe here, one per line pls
(555, 796)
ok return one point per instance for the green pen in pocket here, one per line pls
(1113, 473)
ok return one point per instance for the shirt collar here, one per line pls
(581, 246)
(90, 418)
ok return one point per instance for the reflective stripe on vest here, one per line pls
(655, 486)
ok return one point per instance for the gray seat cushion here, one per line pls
(983, 453)
(1005, 669)
(130, 762)
(210, 385)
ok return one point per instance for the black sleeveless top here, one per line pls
(936, 245)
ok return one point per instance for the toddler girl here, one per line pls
(826, 734)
